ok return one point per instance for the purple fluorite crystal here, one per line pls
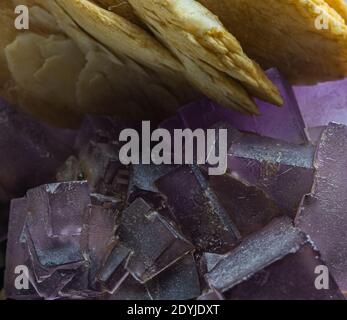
(154, 241)
(323, 215)
(323, 103)
(276, 263)
(285, 123)
(197, 209)
(284, 171)
(291, 278)
(256, 253)
(248, 206)
(49, 236)
(78, 244)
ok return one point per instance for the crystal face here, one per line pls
(197, 209)
(285, 123)
(323, 103)
(323, 215)
(284, 171)
(278, 240)
(276, 263)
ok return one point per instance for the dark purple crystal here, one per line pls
(198, 210)
(284, 171)
(284, 123)
(155, 242)
(323, 214)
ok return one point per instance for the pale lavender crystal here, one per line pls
(59, 207)
(323, 215)
(210, 260)
(55, 223)
(323, 103)
(155, 242)
(31, 152)
(41, 272)
(284, 123)
(284, 171)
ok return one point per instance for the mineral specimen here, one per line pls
(285, 123)
(174, 232)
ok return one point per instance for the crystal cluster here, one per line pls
(268, 228)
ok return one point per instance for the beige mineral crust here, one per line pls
(213, 58)
(305, 39)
